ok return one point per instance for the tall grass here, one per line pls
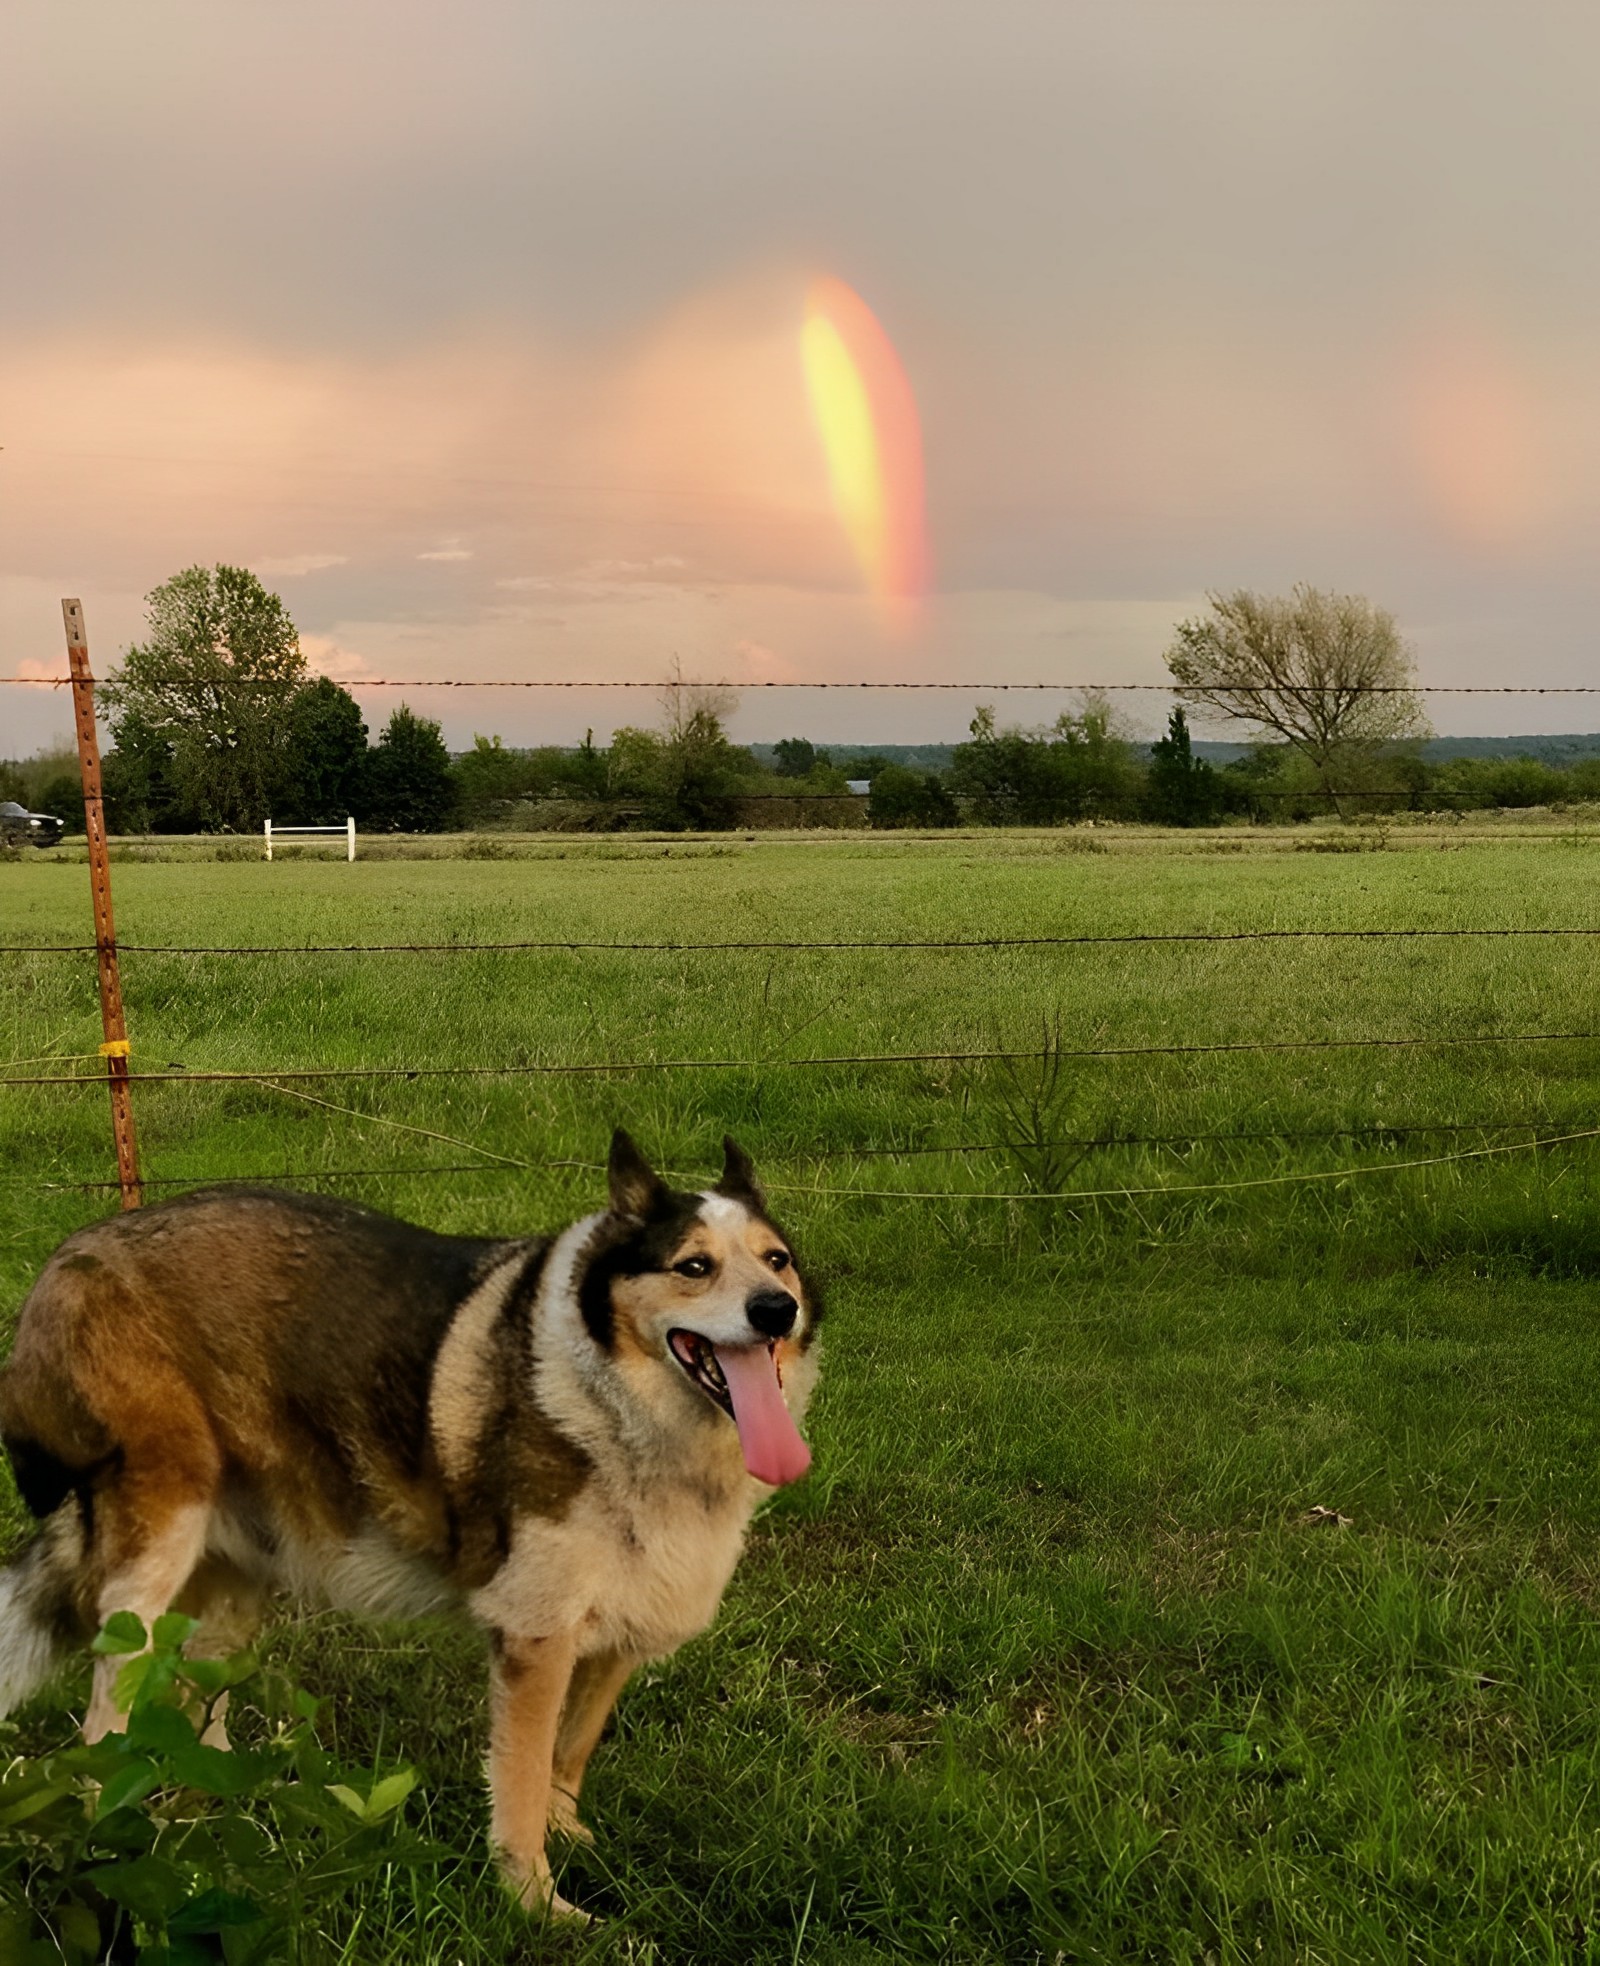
(1054, 1656)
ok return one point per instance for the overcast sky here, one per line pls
(473, 328)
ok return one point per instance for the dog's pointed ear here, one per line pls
(636, 1187)
(739, 1181)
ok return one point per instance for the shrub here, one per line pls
(151, 1845)
(909, 798)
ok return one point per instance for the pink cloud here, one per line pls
(331, 658)
(759, 664)
(45, 674)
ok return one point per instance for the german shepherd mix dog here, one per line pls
(244, 1392)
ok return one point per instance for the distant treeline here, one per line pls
(1076, 769)
(692, 777)
(1557, 748)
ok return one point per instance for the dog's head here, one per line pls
(706, 1284)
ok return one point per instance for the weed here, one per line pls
(151, 1844)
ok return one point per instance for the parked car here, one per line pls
(18, 826)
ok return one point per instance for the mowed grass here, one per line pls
(1050, 1658)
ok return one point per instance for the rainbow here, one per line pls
(866, 417)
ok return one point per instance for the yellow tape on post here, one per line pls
(116, 1048)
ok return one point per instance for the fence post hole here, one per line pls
(115, 1048)
(266, 827)
(350, 836)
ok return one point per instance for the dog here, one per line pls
(245, 1392)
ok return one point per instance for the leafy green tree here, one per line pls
(901, 797)
(1476, 783)
(866, 764)
(1077, 768)
(1326, 673)
(687, 779)
(210, 687)
(797, 757)
(140, 783)
(407, 784)
(584, 773)
(489, 778)
(63, 795)
(326, 755)
(1182, 790)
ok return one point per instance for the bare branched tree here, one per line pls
(682, 703)
(1327, 673)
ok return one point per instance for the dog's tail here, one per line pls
(38, 1596)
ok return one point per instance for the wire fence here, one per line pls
(1391, 1133)
(600, 1067)
(292, 1081)
(658, 684)
(796, 945)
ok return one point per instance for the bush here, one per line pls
(1079, 768)
(151, 1845)
(1471, 784)
(910, 798)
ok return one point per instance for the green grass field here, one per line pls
(1050, 1659)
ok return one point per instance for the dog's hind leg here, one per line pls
(596, 1682)
(229, 1606)
(150, 1518)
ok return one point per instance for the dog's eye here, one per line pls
(778, 1259)
(694, 1266)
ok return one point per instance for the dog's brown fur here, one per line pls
(245, 1392)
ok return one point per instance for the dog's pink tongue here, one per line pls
(773, 1450)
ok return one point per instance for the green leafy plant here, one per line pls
(153, 1846)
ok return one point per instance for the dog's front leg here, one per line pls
(527, 1686)
(593, 1693)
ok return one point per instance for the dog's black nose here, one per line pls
(772, 1312)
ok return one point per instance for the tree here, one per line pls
(689, 776)
(139, 779)
(407, 784)
(866, 764)
(209, 689)
(797, 757)
(63, 795)
(1327, 673)
(901, 797)
(325, 757)
(1183, 790)
(1078, 768)
(489, 779)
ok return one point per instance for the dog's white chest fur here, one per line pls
(635, 1575)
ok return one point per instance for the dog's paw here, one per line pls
(537, 1895)
(565, 1822)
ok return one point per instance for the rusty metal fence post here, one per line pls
(115, 1048)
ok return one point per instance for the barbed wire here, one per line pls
(1170, 1189)
(1093, 1143)
(659, 684)
(789, 945)
(1186, 1188)
(602, 1067)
